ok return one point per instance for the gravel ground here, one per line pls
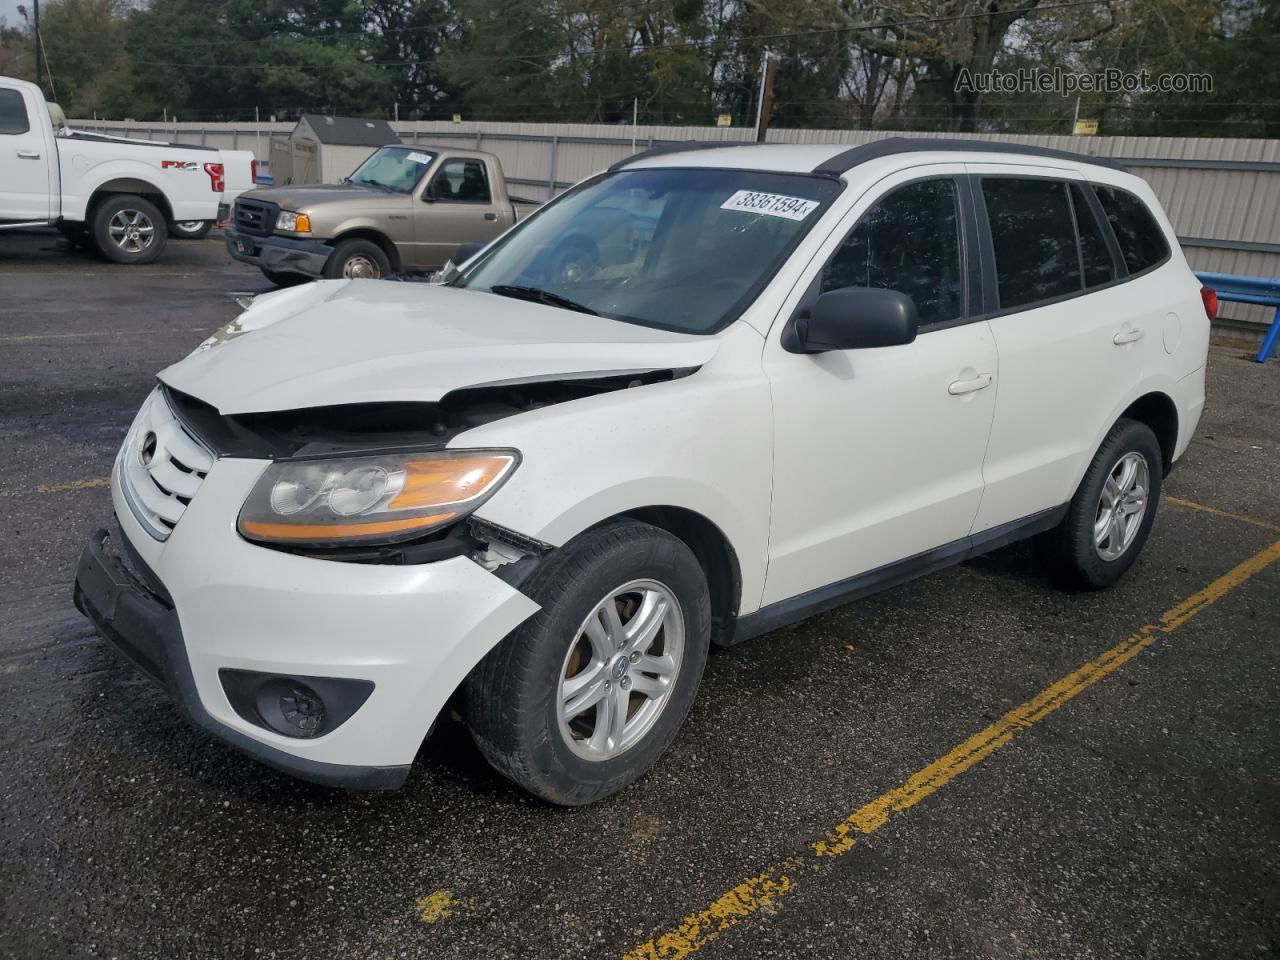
(1141, 819)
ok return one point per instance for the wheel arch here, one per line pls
(1157, 410)
(715, 554)
(129, 185)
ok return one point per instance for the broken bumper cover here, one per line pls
(205, 604)
(279, 254)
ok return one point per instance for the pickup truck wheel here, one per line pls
(129, 229)
(190, 229)
(357, 259)
(582, 698)
(285, 279)
(1111, 513)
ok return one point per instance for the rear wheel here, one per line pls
(583, 698)
(1111, 514)
(285, 279)
(357, 259)
(127, 228)
(190, 229)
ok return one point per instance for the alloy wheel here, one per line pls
(132, 230)
(1122, 506)
(620, 669)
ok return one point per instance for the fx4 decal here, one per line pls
(179, 165)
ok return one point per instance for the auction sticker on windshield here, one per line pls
(773, 204)
(419, 158)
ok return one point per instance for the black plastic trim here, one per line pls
(841, 163)
(103, 138)
(145, 630)
(792, 610)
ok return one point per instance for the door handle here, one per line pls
(1126, 336)
(980, 382)
(29, 154)
(491, 216)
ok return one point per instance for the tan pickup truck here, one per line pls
(406, 209)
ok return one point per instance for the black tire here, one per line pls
(350, 254)
(132, 210)
(1069, 550)
(190, 229)
(281, 279)
(512, 694)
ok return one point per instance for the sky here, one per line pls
(9, 11)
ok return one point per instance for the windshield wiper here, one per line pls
(375, 183)
(538, 295)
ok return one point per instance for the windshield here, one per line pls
(396, 169)
(683, 249)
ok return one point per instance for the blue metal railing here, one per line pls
(1260, 290)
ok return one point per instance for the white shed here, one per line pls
(323, 149)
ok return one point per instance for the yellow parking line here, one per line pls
(59, 487)
(32, 337)
(760, 893)
(1192, 505)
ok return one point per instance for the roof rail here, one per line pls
(681, 146)
(845, 161)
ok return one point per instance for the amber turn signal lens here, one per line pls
(439, 481)
(338, 531)
(304, 224)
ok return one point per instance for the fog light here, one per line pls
(300, 707)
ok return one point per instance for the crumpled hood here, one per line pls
(367, 341)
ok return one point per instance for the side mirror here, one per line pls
(853, 318)
(429, 193)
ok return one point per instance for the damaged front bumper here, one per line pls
(205, 607)
(279, 254)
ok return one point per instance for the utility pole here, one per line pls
(765, 105)
(35, 15)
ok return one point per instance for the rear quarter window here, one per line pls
(1142, 242)
(13, 113)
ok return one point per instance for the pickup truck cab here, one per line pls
(118, 195)
(405, 209)
(782, 378)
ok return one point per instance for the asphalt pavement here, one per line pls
(976, 764)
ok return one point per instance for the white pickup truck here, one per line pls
(118, 195)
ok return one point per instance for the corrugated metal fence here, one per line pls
(1222, 195)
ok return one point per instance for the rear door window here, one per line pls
(909, 241)
(1095, 258)
(1142, 242)
(1033, 238)
(13, 113)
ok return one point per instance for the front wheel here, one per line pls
(127, 228)
(1112, 511)
(357, 260)
(190, 229)
(583, 697)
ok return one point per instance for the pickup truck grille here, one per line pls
(256, 217)
(160, 467)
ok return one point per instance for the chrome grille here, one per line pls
(256, 217)
(160, 466)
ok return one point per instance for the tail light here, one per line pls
(253, 171)
(1210, 298)
(217, 177)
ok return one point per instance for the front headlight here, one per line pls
(293, 222)
(371, 499)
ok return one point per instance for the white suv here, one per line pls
(704, 394)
